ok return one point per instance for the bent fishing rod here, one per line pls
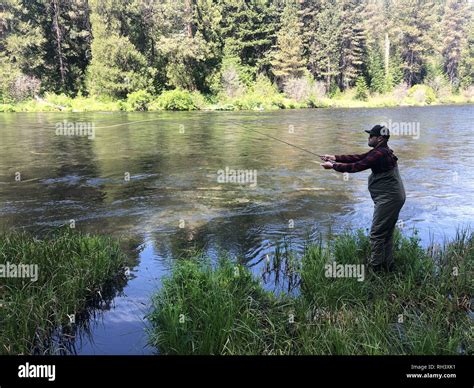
(283, 141)
(243, 127)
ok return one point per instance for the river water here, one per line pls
(159, 180)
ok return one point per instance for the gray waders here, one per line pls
(388, 194)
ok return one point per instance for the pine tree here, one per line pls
(117, 67)
(248, 30)
(466, 66)
(352, 42)
(322, 31)
(376, 71)
(48, 40)
(413, 30)
(455, 22)
(288, 58)
(361, 89)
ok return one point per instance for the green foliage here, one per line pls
(420, 308)
(288, 61)
(115, 48)
(414, 37)
(376, 72)
(72, 269)
(199, 308)
(455, 24)
(177, 99)
(422, 94)
(7, 108)
(352, 42)
(232, 79)
(248, 30)
(117, 68)
(262, 95)
(361, 89)
(322, 32)
(139, 100)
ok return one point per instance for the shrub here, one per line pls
(7, 108)
(422, 94)
(297, 88)
(262, 95)
(23, 87)
(177, 99)
(139, 100)
(440, 86)
(304, 89)
(468, 92)
(400, 92)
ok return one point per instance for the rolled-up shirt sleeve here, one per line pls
(368, 161)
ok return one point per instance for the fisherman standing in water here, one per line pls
(385, 187)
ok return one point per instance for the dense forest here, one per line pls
(222, 50)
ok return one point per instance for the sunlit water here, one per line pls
(173, 201)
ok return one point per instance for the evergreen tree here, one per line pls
(288, 58)
(376, 71)
(413, 30)
(117, 67)
(362, 90)
(466, 66)
(455, 22)
(352, 42)
(248, 30)
(322, 32)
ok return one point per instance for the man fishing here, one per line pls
(385, 187)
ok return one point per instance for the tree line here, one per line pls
(116, 47)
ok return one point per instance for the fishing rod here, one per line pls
(239, 125)
(284, 142)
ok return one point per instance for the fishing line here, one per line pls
(280, 140)
(239, 125)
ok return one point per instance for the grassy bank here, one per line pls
(74, 272)
(261, 97)
(420, 308)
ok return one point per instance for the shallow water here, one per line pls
(174, 202)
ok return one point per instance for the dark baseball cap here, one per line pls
(379, 130)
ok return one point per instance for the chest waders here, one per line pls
(388, 194)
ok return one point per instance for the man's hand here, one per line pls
(326, 165)
(327, 158)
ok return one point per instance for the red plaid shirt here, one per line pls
(379, 159)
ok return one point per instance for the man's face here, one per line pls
(373, 140)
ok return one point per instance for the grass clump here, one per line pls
(75, 271)
(420, 308)
(206, 310)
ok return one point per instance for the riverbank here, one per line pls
(48, 286)
(258, 99)
(422, 307)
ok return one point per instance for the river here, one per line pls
(160, 181)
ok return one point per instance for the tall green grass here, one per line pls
(420, 308)
(75, 271)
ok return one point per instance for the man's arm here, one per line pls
(370, 160)
(350, 158)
